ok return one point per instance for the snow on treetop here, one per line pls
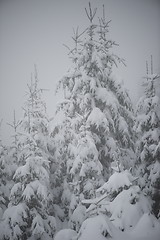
(117, 181)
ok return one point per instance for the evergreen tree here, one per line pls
(29, 214)
(14, 148)
(8, 165)
(97, 114)
(15, 143)
(3, 151)
(147, 127)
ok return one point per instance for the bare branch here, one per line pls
(147, 67)
(1, 122)
(91, 14)
(103, 13)
(43, 89)
(66, 47)
(87, 14)
(35, 72)
(9, 124)
(82, 32)
(95, 10)
(151, 65)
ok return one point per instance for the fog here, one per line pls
(34, 31)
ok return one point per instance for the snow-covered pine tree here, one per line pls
(8, 165)
(29, 214)
(0, 132)
(13, 149)
(15, 136)
(62, 135)
(3, 153)
(97, 113)
(147, 127)
(114, 102)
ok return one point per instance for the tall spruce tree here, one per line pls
(3, 153)
(29, 214)
(8, 165)
(147, 127)
(13, 149)
(96, 128)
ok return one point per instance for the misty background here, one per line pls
(34, 31)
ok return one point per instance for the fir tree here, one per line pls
(13, 149)
(29, 214)
(8, 165)
(97, 113)
(3, 183)
(147, 127)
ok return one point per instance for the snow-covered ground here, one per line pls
(101, 228)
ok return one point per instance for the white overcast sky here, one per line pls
(34, 31)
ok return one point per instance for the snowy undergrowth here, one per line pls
(119, 212)
(101, 228)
